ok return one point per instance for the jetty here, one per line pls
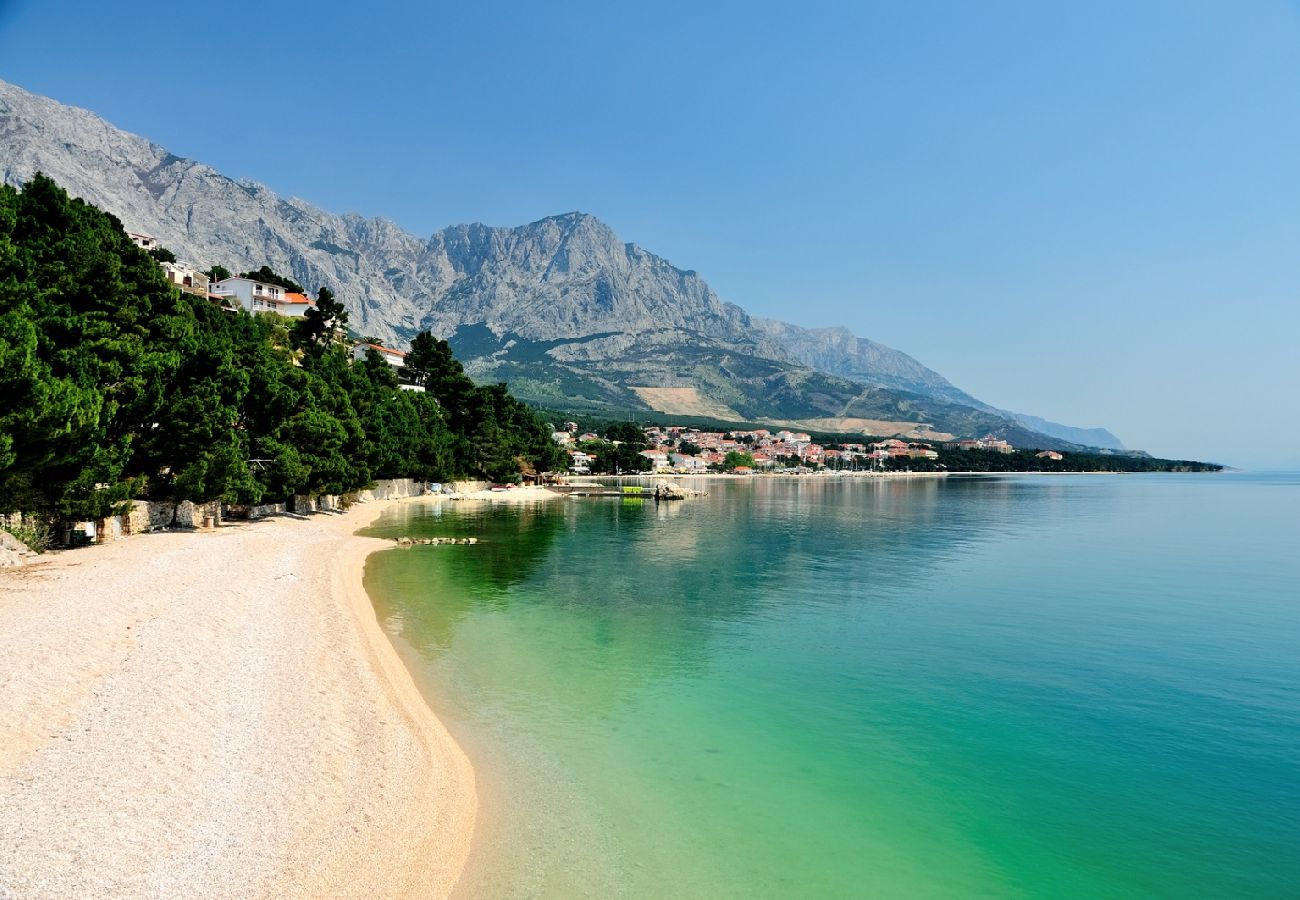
(664, 490)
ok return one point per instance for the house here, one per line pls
(395, 358)
(579, 462)
(186, 277)
(295, 306)
(658, 458)
(257, 296)
(561, 437)
(685, 463)
(1049, 454)
(143, 241)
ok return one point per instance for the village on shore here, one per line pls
(686, 450)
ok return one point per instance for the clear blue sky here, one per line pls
(1087, 211)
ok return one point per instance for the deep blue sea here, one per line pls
(1023, 686)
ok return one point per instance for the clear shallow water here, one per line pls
(1003, 687)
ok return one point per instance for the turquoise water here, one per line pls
(999, 687)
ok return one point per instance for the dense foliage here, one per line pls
(735, 459)
(114, 385)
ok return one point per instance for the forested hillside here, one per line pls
(114, 386)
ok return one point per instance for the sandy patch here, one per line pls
(684, 401)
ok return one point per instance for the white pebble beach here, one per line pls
(219, 714)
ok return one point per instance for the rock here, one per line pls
(666, 490)
(13, 552)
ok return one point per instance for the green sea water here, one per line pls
(1054, 687)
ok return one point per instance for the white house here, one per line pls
(579, 462)
(186, 277)
(658, 458)
(395, 358)
(686, 463)
(143, 241)
(253, 296)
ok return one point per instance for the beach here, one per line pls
(219, 714)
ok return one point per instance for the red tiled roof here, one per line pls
(388, 350)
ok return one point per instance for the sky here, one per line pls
(1084, 211)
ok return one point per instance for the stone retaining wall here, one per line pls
(392, 489)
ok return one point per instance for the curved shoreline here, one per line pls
(220, 714)
(444, 841)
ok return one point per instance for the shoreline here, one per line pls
(220, 714)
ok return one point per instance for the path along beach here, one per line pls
(220, 715)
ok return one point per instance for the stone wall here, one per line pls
(152, 515)
(303, 504)
(392, 489)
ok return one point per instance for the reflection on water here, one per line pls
(823, 687)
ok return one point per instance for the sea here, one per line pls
(1002, 686)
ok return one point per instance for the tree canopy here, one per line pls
(267, 276)
(114, 385)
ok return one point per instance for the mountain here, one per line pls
(1088, 437)
(561, 309)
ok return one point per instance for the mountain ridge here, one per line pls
(575, 312)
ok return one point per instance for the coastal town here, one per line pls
(687, 450)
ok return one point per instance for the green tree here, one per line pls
(735, 459)
(86, 314)
(217, 273)
(317, 326)
(163, 255)
(267, 276)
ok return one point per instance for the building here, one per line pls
(186, 277)
(658, 458)
(683, 462)
(579, 462)
(1050, 454)
(143, 241)
(395, 358)
(295, 305)
(257, 296)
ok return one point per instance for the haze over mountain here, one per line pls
(561, 309)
